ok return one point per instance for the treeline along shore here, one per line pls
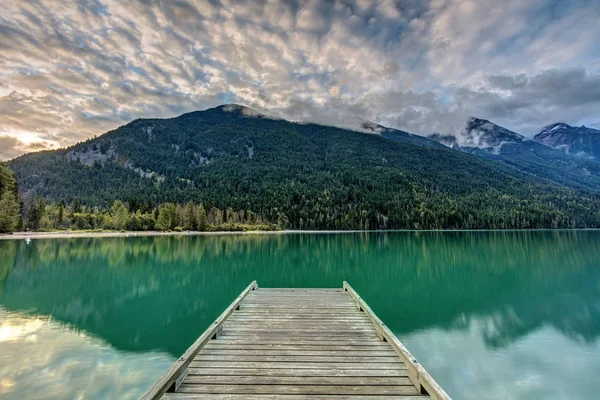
(136, 216)
(489, 209)
(133, 215)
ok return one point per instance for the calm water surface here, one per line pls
(492, 315)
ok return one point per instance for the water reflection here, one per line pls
(41, 359)
(542, 365)
(148, 294)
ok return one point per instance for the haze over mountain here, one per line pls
(313, 176)
(579, 141)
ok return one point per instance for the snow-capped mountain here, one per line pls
(579, 141)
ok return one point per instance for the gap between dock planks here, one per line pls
(273, 343)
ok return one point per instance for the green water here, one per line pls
(492, 315)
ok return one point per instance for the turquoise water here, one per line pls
(491, 315)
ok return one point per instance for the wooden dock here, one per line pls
(297, 344)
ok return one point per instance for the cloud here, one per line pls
(532, 101)
(11, 147)
(68, 73)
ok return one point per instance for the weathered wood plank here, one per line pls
(294, 300)
(304, 334)
(289, 297)
(305, 337)
(302, 380)
(388, 358)
(298, 365)
(295, 341)
(298, 389)
(291, 346)
(358, 331)
(171, 376)
(297, 328)
(264, 294)
(299, 320)
(301, 290)
(281, 352)
(241, 316)
(200, 396)
(291, 309)
(321, 372)
(285, 311)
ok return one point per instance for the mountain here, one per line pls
(486, 139)
(480, 134)
(314, 176)
(579, 141)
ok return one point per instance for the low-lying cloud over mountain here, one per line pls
(69, 71)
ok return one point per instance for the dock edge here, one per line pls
(416, 372)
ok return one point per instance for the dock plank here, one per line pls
(298, 365)
(297, 380)
(302, 352)
(298, 389)
(303, 372)
(389, 358)
(199, 396)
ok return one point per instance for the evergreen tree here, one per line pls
(9, 212)
(75, 206)
(119, 215)
(35, 213)
(61, 215)
(135, 221)
(190, 220)
(167, 217)
(202, 221)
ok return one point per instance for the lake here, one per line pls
(492, 315)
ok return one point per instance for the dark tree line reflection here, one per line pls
(161, 292)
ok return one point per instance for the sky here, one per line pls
(73, 69)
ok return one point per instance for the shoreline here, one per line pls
(116, 234)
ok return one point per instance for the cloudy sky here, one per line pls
(73, 69)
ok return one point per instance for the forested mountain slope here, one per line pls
(316, 177)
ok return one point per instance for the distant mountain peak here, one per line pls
(579, 141)
(554, 127)
(480, 134)
(367, 126)
(238, 108)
